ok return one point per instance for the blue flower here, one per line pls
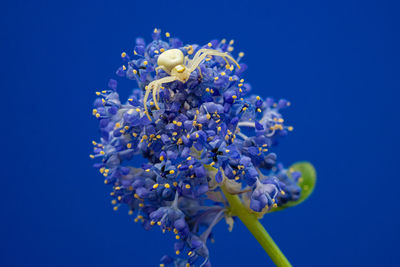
(191, 136)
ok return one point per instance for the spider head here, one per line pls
(181, 73)
(171, 59)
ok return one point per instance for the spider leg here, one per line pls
(158, 92)
(155, 90)
(224, 56)
(208, 52)
(201, 75)
(164, 69)
(196, 62)
(155, 86)
(190, 63)
(146, 96)
(186, 60)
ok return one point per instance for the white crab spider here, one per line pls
(179, 68)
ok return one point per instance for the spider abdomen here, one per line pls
(171, 58)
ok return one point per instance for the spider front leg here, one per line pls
(155, 87)
(208, 52)
(199, 52)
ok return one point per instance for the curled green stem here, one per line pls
(256, 228)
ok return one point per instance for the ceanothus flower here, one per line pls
(168, 154)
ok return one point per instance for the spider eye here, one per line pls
(171, 58)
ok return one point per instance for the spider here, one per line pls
(179, 68)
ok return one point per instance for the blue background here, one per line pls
(337, 61)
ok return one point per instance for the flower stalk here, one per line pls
(256, 228)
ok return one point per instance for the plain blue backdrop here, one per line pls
(336, 61)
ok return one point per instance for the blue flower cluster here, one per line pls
(207, 132)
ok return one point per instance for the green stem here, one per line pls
(256, 228)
